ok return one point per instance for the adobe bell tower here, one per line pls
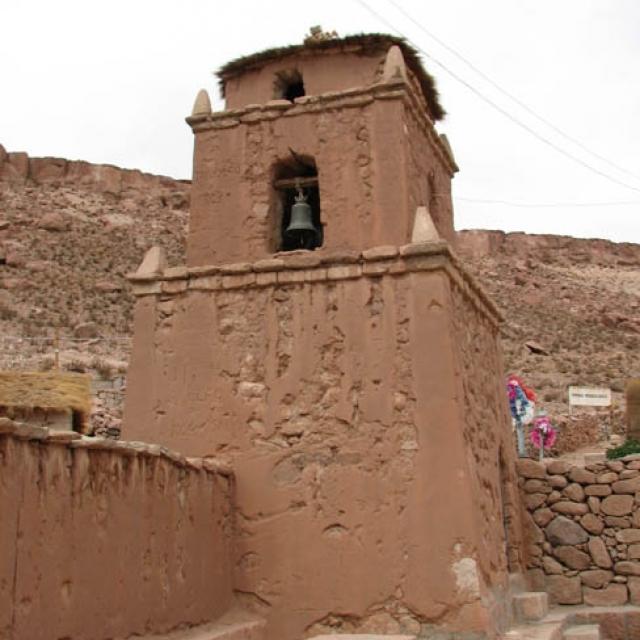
(324, 340)
(352, 120)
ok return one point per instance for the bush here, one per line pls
(629, 447)
(104, 369)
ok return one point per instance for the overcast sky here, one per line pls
(112, 82)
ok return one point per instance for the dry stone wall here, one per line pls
(583, 530)
(104, 539)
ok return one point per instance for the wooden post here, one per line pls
(56, 348)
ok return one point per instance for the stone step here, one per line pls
(536, 631)
(530, 605)
(232, 626)
(582, 632)
(362, 636)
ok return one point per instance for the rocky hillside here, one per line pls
(572, 308)
(70, 231)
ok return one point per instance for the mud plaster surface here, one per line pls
(99, 545)
(344, 410)
(373, 160)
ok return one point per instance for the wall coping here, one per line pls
(349, 98)
(296, 267)
(74, 440)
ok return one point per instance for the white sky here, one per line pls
(112, 82)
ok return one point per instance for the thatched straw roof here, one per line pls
(46, 390)
(364, 44)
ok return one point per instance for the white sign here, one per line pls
(590, 396)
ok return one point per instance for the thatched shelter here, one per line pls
(53, 399)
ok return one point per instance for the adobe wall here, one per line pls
(321, 74)
(334, 386)
(430, 174)
(488, 438)
(104, 539)
(583, 530)
(359, 140)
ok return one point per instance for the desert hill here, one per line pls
(572, 308)
(70, 231)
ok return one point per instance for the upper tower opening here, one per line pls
(288, 85)
(320, 65)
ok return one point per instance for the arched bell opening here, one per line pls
(298, 203)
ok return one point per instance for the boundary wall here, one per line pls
(582, 530)
(107, 539)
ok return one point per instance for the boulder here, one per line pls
(551, 566)
(599, 553)
(536, 486)
(86, 330)
(528, 468)
(570, 508)
(634, 590)
(596, 578)
(628, 536)
(612, 596)
(574, 492)
(582, 476)
(564, 590)
(627, 568)
(54, 221)
(562, 531)
(543, 516)
(617, 505)
(592, 524)
(557, 482)
(534, 500)
(572, 557)
(601, 490)
(627, 486)
(558, 467)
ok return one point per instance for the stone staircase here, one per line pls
(535, 621)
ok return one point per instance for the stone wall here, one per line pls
(104, 539)
(583, 530)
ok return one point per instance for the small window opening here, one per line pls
(289, 85)
(292, 178)
(77, 421)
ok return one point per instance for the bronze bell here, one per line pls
(301, 231)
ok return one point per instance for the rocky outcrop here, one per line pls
(480, 243)
(572, 309)
(18, 168)
(69, 232)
